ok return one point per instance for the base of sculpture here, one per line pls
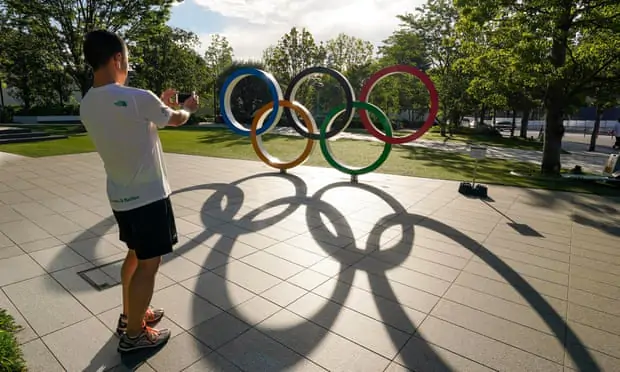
(468, 189)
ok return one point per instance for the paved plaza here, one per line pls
(306, 272)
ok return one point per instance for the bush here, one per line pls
(48, 110)
(10, 356)
(6, 114)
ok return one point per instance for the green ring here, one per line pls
(326, 150)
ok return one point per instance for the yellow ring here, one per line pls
(257, 142)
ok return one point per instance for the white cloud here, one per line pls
(253, 25)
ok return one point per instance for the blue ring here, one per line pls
(242, 73)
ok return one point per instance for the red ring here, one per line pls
(370, 84)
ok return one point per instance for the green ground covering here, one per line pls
(404, 160)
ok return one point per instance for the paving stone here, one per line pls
(395, 291)
(45, 304)
(602, 362)
(593, 318)
(294, 254)
(596, 339)
(274, 265)
(401, 275)
(376, 307)
(253, 351)
(594, 301)
(387, 279)
(327, 349)
(95, 351)
(201, 255)
(178, 268)
(5, 241)
(524, 282)
(484, 350)
(10, 251)
(352, 325)
(284, 294)
(213, 363)
(247, 276)
(524, 315)
(57, 258)
(184, 307)
(308, 279)
(180, 353)
(219, 330)
(525, 338)
(18, 268)
(23, 231)
(25, 332)
(94, 248)
(94, 300)
(419, 355)
(217, 290)
(255, 310)
(507, 292)
(39, 358)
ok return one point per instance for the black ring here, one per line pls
(294, 85)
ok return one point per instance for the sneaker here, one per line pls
(151, 317)
(148, 338)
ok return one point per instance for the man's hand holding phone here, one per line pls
(170, 98)
(190, 102)
(180, 101)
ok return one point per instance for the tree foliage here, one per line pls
(63, 24)
(568, 46)
(169, 59)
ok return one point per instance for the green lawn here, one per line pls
(407, 161)
(10, 356)
(467, 135)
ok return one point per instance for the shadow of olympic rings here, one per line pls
(306, 336)
(379, 283)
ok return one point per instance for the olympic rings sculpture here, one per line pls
(267, 117)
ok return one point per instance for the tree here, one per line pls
(295, 52)
(603, 98)
(431, 30)
(581, 43)
(219, 56)
(63, 24)
(168, 59)
(23, 68)
(344, 52)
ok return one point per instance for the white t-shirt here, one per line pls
(123, 122)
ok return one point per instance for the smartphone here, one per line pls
(182, 97)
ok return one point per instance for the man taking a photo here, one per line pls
(122, 123)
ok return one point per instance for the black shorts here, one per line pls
(148, 230)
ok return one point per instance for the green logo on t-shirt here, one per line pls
(120, 103)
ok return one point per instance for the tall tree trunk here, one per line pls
(525, 120)
(483, 114)
(597, 127)
(555, 102)
(475, 117)
(554, 131)
(1, 94)
(514, 123)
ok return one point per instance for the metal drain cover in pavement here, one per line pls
(103, 276)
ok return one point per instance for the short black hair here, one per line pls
(100, 46)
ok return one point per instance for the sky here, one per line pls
(252, 25)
